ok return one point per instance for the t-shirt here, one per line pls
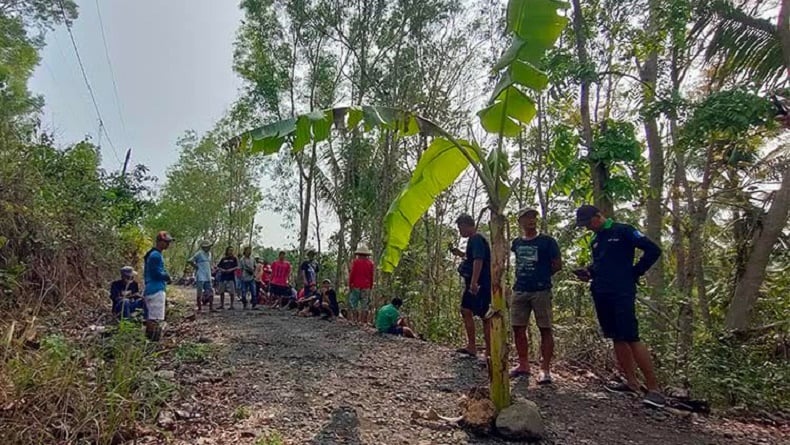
(266, 273)
(330, 297)
(387, 317)
(477, 248)
(281, 270)
(154, 273)
(361, 274)
(228, 262)
(613, 251)
(247, 268)
(533, 262)
(203, 261)
(310, 269)
(117, 289)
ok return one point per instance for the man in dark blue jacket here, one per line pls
(614, 278)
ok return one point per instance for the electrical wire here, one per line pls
(87, 82)
(112, 71)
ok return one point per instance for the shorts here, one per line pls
(280, 291)
(524, 303)
(395, 330)
(156, 306)
(359, 299)
(479, 303)
(205, 293)
(228, 286)
(617, 316)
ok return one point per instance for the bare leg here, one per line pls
(199, 299)
(469, 326)
(546, 348)
(408, 333)
(626, 360)
(522, 347)
(642, 357)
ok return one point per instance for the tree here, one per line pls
(535, 26)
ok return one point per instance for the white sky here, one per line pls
(172, 61)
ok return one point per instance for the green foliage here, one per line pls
(272, 438)
(241, 413)
(189, 352)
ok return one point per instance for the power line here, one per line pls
(87, 82)
(109, 64)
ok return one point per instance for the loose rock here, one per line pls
(521, 421)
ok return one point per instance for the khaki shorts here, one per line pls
(227, 286)
(524, 303)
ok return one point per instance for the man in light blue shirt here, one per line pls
(156, 281)
(202, 262)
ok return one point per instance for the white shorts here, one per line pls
(156, 306)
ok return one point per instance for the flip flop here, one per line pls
(519, 373)
(465, 351)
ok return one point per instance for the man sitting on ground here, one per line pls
(125, 295)
(389, 321)
(305, 299)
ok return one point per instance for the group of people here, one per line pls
(613, 277)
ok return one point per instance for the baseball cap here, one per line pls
(585, 213)
(527, 210)
(164, 236)
(127, 270)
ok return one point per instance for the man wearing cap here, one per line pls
(247, 264)
(360, 282)
(156, 280)
(537, 259)
(202, 262)
(614, 277)
(125, 294)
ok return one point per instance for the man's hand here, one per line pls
(474, 288)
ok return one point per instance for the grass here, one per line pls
(93, 392)
(241, 413)
(272, 438)
(190, 352)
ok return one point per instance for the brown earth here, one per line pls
(311, 381)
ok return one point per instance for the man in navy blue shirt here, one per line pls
(476, 272)
(537, 259)
(614, 277)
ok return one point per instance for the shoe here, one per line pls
(654, 399)
(516, 372)
(619, 387)
(544, 378)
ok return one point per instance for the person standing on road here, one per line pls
(227, 267)
(156, 281)
(308, 270)
(360, 283)
(247, 264)
(476, 272)
(537, 259)
(202, 263)
(281, 272)
(614, 278)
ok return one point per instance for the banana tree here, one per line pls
(534, 25)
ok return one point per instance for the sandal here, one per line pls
(544, 378)
(465, 351)
(515, 373)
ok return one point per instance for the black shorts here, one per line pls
(479, 303)
(617, 316)
(395, 330)
(280, 291)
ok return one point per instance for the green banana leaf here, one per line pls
(438, 168)
(316, 127)
(535, 25)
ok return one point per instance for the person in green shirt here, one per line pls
(389, 321)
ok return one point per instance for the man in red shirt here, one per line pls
(281, 272)
(360, 282)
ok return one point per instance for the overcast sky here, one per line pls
(172, 61)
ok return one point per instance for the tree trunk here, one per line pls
(598, 170)
(500, 380)
(763, 240)
(654, 226)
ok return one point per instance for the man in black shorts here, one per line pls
(476, 272)
(614, 277)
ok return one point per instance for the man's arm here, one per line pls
(651, 252)
(556, 257)
(159, 268)
(477, 267)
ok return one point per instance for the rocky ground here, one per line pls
(268, 377)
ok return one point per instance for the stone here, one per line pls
(521, 421)
(166, 374)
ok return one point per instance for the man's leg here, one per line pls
(221, 294)
(522, 348)
(199, 295)
(231, 288)
(541, 304)
(546, 349)
(625, 359)
(408, 333)
(641, 356)
(469, 327)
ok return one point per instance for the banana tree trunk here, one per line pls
(500, 381)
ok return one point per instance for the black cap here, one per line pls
(584, 214)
